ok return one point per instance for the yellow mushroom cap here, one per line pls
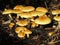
(28, 32)
(42, 9)
(25, 15)
(37, 13)
(21, 34)
(8, 11)
(18, 7)
(43, 20)
(17, 11)
(28, 9)
(22, 22)
(54, 12)
(20, 29)
(11, 23)
(10, 26)
(57, 18)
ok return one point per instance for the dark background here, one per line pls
(34, 3)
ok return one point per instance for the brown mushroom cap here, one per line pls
(18, 7)
(57, 18)
(22, 23)
(43, 20)
(37, 13)
(25, 15)
(42, 9)
(8, 11)
(17, 11)
(54, 12)
(20, 29)
(28, 9)
(21, 34)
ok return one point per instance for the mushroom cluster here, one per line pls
(57, 16)
(21, 31)
(27, 15)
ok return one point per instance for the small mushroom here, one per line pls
(28, 9)
(25, 15)
(28, 32)
(8, 11)
(22, 23)
(21, 34)
(42, 9)
(42, 20)
(20, 29)
(18, 7)
(11, 25)
(57, 18)
(56, 12)
(37, 13)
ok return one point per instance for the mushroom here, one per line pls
(8, 11)
(28, 9)
(57, 18)
(20, 29)
(37, 13)
(18, 7)
(42, 20)
(28, 32)
(42, 9)
(11, 25)
(56, 12)
(22, 22)
(21, 34)
(25, 15)
(17, 11)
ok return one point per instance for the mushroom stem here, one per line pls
(10, 16)
(17, 16)
(27, 35)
